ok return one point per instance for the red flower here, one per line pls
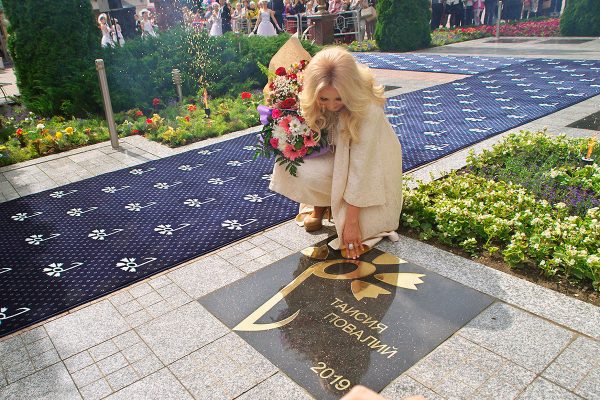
(246, 95)
(302, 63)
(138, 113)
(155, 101)
(274, 142)
(19, 132)
(276, 113)
(192, 107)
(149, 121)
(280, 71)
(187, 118)
(135, 131)
(271, 85)
(293, 76)
(288, 103)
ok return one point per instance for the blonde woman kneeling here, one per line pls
(361, 177)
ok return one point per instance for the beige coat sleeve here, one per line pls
(365, 186)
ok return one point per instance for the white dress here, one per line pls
(148, 29)
(216, 29)
(106, 39)
(265, 28)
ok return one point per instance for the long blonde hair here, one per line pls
(335, 66)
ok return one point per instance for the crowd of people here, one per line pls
(112, 33)
(454, 13)
(269, 17)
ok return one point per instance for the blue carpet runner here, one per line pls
(434, 122)
(466, 65)
(64, 247)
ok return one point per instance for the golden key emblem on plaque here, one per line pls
(360, 289)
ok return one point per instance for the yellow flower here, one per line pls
(59, 135)
(68, 130)
(48, 138)
(156, 118)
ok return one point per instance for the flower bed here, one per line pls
(510, 220)
(539, 28)
(173, 125)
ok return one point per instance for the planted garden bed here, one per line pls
(24, 136)
(536, 28)
(530, 203)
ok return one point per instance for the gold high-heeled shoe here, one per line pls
(312, 224)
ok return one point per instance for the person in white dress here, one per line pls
(105, 29)
(216, 27)
(147, 27)
(120, 38)
(264, 27)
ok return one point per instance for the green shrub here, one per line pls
(402, 25)
(581, 18)
(477, 214)
(549, 167)
(53, 46)
(225, 65)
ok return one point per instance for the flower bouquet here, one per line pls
(285, 133)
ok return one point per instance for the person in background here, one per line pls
(437, 10)
(225, 15)
(468, 16)
(478, 7)
(147, 26)
(455, 9)
(278, 8)
(335, 6)
(119, 33)
(491, 9)
(216, 26)
(137, 27)
(235, 17)
(288, 8)
(106, 31)
(299, 7)
(266, 23)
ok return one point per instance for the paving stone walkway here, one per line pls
(153, 340)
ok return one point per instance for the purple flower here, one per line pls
(265, 114)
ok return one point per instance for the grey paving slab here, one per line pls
(295, 238)
(205, 275)
(589, 387)
(546, 390)
(223, 369)
(180, 332)
(579, 360)
(278, 386)
(563, 310)
(406, 386)
(26, 353)
(460, 368)
(96, 390)
(161, 385)
(515, 335)
(85, 328)
(51, 383)
(78, 361)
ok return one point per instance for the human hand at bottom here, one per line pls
(359, 392)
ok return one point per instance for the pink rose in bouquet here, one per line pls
(285, 134)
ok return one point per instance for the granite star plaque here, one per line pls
(331, 323)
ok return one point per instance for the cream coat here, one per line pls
(366, 174)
